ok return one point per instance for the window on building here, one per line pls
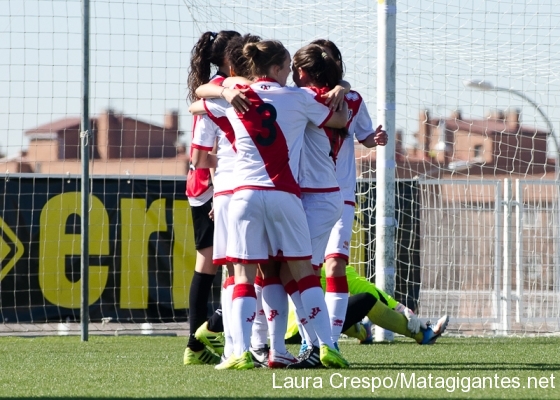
(478, 150)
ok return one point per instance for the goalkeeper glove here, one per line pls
(414, 323)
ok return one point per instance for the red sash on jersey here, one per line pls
(217, 79)
(335, 140)
(198, 182)
(224, 124)
(354, 101)
(260, 123)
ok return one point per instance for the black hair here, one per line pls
(336, 54)
(234, 54)
(208, 51)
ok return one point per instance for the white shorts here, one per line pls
(221, 205)
(322, 210)
(338, 245)
(265, 223)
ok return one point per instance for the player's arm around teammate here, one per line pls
(266, 203)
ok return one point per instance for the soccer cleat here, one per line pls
(311, 358)
(200, 357)
(303, 348)
(260, 356)
(369, 331)
(331, 358)
(244, 361)
(433, 332)
(277, 360)
(214, 341)
(223, 360)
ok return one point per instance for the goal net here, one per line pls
(477, 191)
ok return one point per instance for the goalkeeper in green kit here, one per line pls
(366, 300)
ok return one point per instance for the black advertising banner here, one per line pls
(141, 249)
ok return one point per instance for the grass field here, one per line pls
(151, 367)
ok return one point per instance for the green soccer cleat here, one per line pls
(200, 357)
(244, 361)
(331, 358)
(214, 341)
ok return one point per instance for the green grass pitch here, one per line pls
(151, 367)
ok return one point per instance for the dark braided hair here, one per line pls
(208, 51)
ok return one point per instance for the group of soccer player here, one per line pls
(271, 189)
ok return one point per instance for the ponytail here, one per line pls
(208, 51)
(336, 54)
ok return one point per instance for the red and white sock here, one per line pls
(227, 293)
(313, 301)
(336, 298)
(259, 334)
(275, 304)
(306, 332)
(243, 313)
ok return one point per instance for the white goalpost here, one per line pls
(473, 114)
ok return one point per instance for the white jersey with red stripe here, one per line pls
(269, 136)
(360, 127)
(316, 167)
(199, 183)
(210, 129)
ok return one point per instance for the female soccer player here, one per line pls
(314, 70)
(320, 194)
(209, 130)
(265, 209)
(382, 310)
(208, 51)
(336, 258)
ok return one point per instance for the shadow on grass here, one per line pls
(442, 366)
(230, 398)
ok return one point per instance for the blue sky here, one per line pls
(140, 53)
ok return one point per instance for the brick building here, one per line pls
(120, 145)
(497, 146)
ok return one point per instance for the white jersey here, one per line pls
(199, 188)
(317, 168)
(360, 127)
(269, 136)
(209, 130)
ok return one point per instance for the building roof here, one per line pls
(56, 126)
(51, 128)
(486, 126)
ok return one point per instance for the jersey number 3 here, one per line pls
(268, 115)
